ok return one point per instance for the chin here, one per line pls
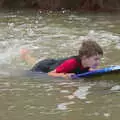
(93, 66)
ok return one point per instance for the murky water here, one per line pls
(57, 35)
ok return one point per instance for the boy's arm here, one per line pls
(64, 75)
(63, 70)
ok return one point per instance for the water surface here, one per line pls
(54, 35)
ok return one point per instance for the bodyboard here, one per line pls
(102, 71)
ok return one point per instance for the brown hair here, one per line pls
(90, 48)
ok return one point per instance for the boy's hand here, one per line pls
(68, 75)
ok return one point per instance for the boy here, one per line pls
(88, 58)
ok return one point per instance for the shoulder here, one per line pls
(66, 66)
(71, 63)
(71, 60)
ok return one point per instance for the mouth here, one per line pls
(95, 65)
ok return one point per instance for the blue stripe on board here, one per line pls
(97, 72)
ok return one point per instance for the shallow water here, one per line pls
(56, 35)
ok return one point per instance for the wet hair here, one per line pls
(90, 48)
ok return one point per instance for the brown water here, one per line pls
(57, 35)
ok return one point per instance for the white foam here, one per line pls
(116, 87)
(106, 114)
(88, 102)
(64, 91)
(82, 92)
(63, 106)
(70, 97)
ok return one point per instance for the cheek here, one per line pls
(91, 62)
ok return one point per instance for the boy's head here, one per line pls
(90, 53)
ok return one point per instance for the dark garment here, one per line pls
(48, 65)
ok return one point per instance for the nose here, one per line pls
(96, 64)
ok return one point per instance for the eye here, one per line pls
(97, 59)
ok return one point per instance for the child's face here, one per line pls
(92, 61)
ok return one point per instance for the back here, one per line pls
(48, 65)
